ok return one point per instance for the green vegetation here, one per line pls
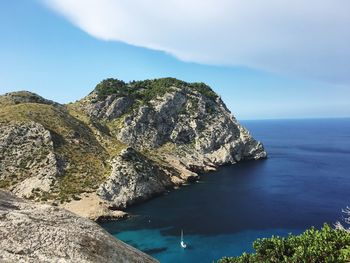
(313, 246)
(150, 89)
(204, 89)
(147, 90)
(111, 86)
(5, 183)
(143, 91)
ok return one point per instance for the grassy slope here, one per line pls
(74, 142)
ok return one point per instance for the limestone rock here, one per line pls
(202, 129)
(27, 158)
(32, 232)
(134, 178)
(110, 108)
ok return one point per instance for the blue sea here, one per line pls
(304, 182)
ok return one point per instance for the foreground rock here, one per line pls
(31, 232)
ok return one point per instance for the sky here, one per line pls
(266, 59)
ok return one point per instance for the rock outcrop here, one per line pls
(201, 127)
(121, 144)
(110, 108)
(32, 232)
(134, 177)
(27, 157)
(20, 97)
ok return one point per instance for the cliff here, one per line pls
(121, 144)
(32, 232)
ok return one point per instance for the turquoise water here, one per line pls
(304, 182)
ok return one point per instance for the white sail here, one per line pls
(182, 243)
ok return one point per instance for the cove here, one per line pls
(304, 182)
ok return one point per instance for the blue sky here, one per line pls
(44, 52)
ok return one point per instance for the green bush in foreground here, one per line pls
(325, 245)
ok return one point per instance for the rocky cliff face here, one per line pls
(199, 126)
(123, 143)
(32, 232)
(134, 177)
(28, 159)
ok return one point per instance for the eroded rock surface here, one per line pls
(32, 232)
(27, 158)
(110, 108)
(134, 178)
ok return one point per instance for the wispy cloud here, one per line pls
(306, 38)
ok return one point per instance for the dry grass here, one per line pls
(84, 158)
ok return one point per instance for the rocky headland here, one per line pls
(123, 143)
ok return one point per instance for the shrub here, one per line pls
(204, 89)
(110, 86)
(325, 245)
(147, 90)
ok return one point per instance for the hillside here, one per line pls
(123, 143)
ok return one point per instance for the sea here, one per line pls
(304, 182)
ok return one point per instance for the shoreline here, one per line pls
(91, 206)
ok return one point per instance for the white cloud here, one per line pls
(303, 37)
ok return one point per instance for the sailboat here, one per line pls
(182, 243)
